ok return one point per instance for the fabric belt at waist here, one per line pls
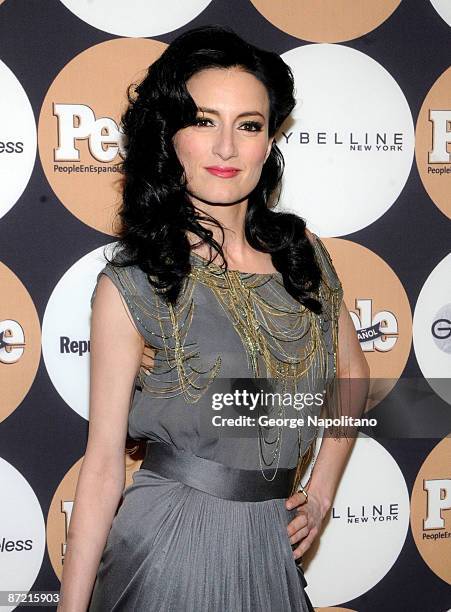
(216, 478)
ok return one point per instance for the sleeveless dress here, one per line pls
(175, 548)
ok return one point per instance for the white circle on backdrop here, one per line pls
(344, 96)
(136, 18)
(66, 330)
(367, 529)
(443, 8)
(18, 139)
(23, 531)
(431, 329)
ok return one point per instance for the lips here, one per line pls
(223, 171)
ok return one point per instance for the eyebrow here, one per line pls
(215, 112)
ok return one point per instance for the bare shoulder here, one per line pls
(112, 311)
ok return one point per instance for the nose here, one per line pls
(224, 144)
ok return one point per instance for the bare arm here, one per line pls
(353, 367)
(334, 453)
(116, 351)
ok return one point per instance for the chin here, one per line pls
(220, 196)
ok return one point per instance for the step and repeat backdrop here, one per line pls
(368, 165)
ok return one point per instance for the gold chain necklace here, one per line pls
(236, 293)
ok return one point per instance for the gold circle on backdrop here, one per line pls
(20, 342)
(433, 143)
(326, 20)
(430, 516)
(78, 132)
(60, 511)
(375, 298)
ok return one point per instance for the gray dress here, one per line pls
(175, 548)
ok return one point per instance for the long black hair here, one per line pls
(156, 211)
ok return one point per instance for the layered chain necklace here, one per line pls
(263, 337)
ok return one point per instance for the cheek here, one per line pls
(182, 148)
(189, 151)
(255, 155)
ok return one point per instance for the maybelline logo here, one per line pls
(352, 141)
(77, 123)
(12, 341)
(370, 513)
(376, 331)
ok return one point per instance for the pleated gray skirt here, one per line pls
(175, 548)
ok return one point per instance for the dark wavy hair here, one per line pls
(156, 211)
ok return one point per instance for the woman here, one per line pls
(213, 519)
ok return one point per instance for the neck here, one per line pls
(231, 217)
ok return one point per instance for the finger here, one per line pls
(296, 499)
(305, 544)
(300, 534)
(298, 522)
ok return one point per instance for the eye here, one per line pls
(252, 126)
(202, 121)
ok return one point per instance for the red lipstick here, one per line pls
(223, 171)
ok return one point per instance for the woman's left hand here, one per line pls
(307, 524)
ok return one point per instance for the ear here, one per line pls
(268, 150)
